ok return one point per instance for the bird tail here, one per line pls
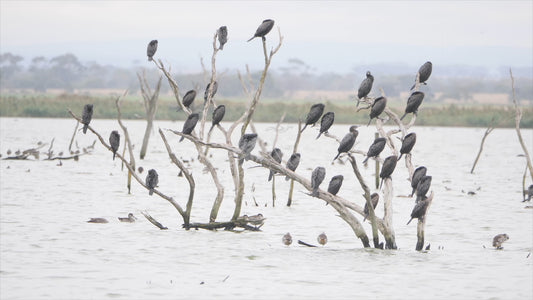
(114, 153)
(151, 192)
(412, 193)
(413, 87)
(182, 138)
(221, 47)
(287, 178)
(251, 38)
(85, 128)
(364, 219)
(337, 156)
(150, 58)
(303, 128)
(320, 133)
(409, 221)
(366, 159)
(270, 175)
(381, 184)
(369, 122)
(400, 157)
(403, 116)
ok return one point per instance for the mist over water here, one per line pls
(48, 251)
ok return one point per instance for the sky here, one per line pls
(329, 36)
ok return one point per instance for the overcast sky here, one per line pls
(336, 34)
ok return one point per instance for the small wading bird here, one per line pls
(130, 219)
(407, 144)
(375, 149)
(246, 144)
(189, 98)
(206, 93)
(374, 199)
(189, 124)
(315, 112)
(388, 167)
(422, 187)
(151, 49)
(263, 29)
(335, 184)
(419, 211)
(114, 141)
(317, 176)
(326, 122)
(498, 240)
(366, 86)
(287, 239)
(417, 175)
(322, 238)
(152, 179)
(218, 115)
(276, 154)
(377, 108)
(222, 34)
(347, 141)
(97, 220)
(425, 72)
(413, 103)
(293, 163)
(86, 116)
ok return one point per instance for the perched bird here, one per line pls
(152, 48)
(366, 86)
(413, 103)
(287, 239)
(347, 141)
(97, 220)
(293, 163)
(335, 184)
(498, 240)
(206, 93)
(417, 175)
(256, 220)
(263, 29)
(374, 199)
(326, 122)
(246, 144)
(276, 154)
(377, 108)
(425, 72)
(314, 114)
(317, 176)
(388, 167)
(407, 144)
(189, 124)
(322, 239)
(189, 98)
(529, 193)
(419, 211)
(114, 141)
(152, 179)
(375, 149)
(86, 116)
(218, 115)
(423, 185)
(130, 219)
(222, 34)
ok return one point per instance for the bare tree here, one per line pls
(150, 106)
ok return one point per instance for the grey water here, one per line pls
(49, 251)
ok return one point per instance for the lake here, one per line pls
(49, 251)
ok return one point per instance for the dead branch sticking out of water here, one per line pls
(153, 221)
(294, 150)
(518, 117)
(420, 228)
(487, 132)
(127, 140)
(150, 106)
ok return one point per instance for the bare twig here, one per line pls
(487, 132)
(127, 140)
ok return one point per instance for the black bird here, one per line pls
(422, 187)
(263, 29)
(293, 163)
(388, 167)
(86, 116)
(151, 49)
(189, 98)
(347, 141)
(417, 175)
(374, 199)
(413, 103)
(375, 149)
(326, 122)
(114, 141)
(407, 144)
(247, 144)
(335, 184)
(206, 93)
(317, 176)
(222, 37)
(315, 112)
(377, 108)
(276, 154)
(529, 193)
(152, 179)
(218, 115)
(425, 72)
(366, 86)
(189, 124)
(419, 211)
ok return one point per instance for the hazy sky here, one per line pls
(344, 33)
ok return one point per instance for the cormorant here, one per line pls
(388, 167)
(407, 144)
(375, 149)
(130, 219)
(246, 144)
(151, 49)
(417, 175)
(97, 220)
(419, 211)
(293, 163)
(425, 72)
(263, 29)
(423, 186)
(317, 176)
(377, 108)
(335, 184)
(347, 141)
(189, 98)
(326, 122)
(498, 240)
(222, 33)
(413, 103)
(114, 141)
(322, 238)
(218, 115)
(152, 179)
(529, 193)
(374, 199)
(86, 116)
(314, 114)
(366, 86)
(215, 88)
(189, 124)
(276, 154)
(287, 239)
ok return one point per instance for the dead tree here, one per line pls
(150, 107)
(518, 117)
